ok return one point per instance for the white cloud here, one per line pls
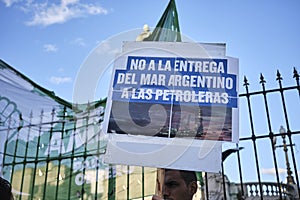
(106, 48)
(60, 80)
(50, 47)
(79, 42)
(45, 14)
(61, 70)
(9, 3)
(272, 171)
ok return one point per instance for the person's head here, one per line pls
(5, 190)
(179, 184)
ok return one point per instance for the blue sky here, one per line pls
(48, 41)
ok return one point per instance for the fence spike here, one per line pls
(20, 122)
(53, 113)
(30, 114)
(296, 75)
(245, 81)
(42, 113)
(279, 77)
(262, 79)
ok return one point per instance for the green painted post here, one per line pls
(48, 156)
(72, 158)
(97, 167)
(5, 145)
(60, 155)
(85, 151)
(112, 183)
(16, 148)
(25, 154)
(37, 153)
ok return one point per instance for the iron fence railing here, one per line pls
(268, 138)
(47, 160)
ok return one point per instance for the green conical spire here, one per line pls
(167, 29)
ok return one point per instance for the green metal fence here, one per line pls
(62, 158)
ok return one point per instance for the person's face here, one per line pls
(174, 187)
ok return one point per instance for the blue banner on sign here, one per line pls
(166, 80)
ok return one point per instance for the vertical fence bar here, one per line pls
(240, 171)
(294, 161)
(25, 154)
(279, 79)
(253, 137)
(85, 152)
(206, 186)
(16, 148)
(72, 158)
(97, 177)
(224, 182)
(128, 181)
(98, 156)
(58, 177)
(111, 183)
(296, 77)
(143, 183)
(271, 135)
(48, 153)
(97, 163)
(37, 154)
(5, 145)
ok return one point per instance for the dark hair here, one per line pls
(187, 176)
(5, 189)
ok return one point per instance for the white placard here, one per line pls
(170, 103)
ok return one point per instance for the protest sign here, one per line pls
(172, 97)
